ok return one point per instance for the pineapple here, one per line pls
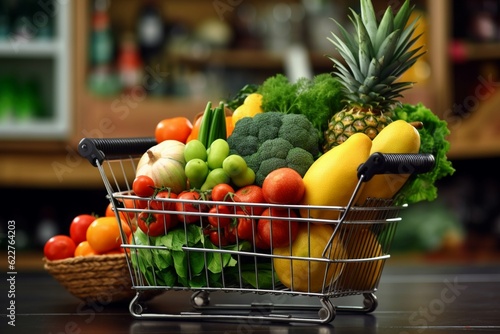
(375, 56)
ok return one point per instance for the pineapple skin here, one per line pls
(351, 120)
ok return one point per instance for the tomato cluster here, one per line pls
(227, 216)
(89, 235)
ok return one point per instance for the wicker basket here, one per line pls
(101, 278)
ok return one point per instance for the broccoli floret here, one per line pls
(298, 158)
(299, 131)
(274, 148)
(283, 140)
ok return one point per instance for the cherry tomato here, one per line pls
(250, 194)
(143, 186)
(160, 201)
(59, 247)
(230, 233)
(219, 221)
(277, 232)
(246, 228)
(78, 227)
(186, 210)
(218, 239)
(222, 192)
(175, 128)
(154, 224)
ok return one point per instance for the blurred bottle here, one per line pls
(8, 88)
(129, 63)
(151, 34)
(101, 41)
(28, 102)
(102, 79)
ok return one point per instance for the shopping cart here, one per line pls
(349, 264)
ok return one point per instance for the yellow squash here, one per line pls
(331, 179)
(398, 137)
(310, 275)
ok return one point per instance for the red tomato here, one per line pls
(250, 194)
(59, 247)
(283, 186)
(230, 233)
(222, 192)
(175, 128)
(186, 210)
(143, 186)
(154, 224)
(162, 202)
(218, 239)
(275, 231)
(78, 227)
(246, 228)
(219, 221)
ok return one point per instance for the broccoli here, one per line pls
(272, 140)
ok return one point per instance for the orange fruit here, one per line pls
(84, 249)
(103, 234)
(229, 125)
(175, 128)
(283, 186)
(196, 129)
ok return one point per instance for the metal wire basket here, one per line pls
(348, 261)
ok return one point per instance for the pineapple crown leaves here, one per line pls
(376, 55)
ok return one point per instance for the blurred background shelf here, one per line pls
(35, 77)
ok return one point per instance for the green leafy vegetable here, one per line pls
(318, 98)
(167, 264)
(433, 140)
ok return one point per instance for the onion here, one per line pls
(164, 163)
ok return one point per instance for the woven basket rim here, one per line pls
(89, 258)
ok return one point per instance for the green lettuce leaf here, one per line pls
(433, 140)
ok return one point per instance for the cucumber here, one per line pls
(205, 125)
(215, 127)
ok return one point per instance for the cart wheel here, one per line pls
(327, 312)
(370, 302)
(137, 309)
(200, 299)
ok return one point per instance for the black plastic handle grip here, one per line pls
(396, 163)
(100, 149)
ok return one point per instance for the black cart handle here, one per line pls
(396, 163)
(100, 149)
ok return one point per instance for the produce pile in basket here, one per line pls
(285, 143)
